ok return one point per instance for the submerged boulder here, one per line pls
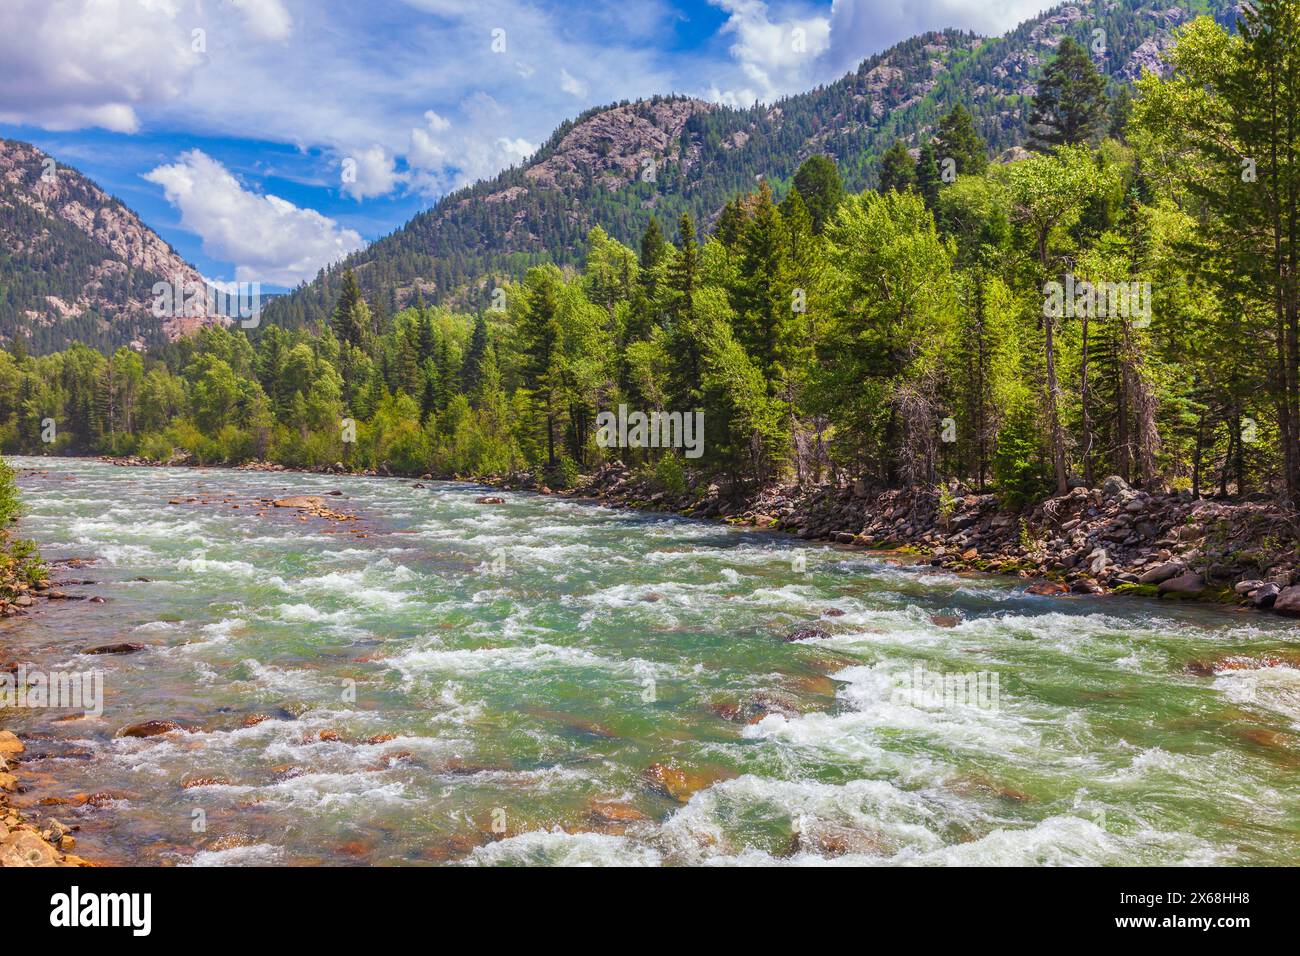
(150, 728)
(810, 633)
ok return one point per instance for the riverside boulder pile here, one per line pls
(1112, 537)
(23, 843)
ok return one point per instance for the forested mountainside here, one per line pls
(619, 166)
(76, 265)
(1118, 302)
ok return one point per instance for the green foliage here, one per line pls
(19, 559)
(903, 336)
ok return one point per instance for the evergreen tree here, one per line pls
(928, 180)
(351, 317)
(1071, 100)
(819, 185)
(897, 169)
(471, 372)
(958, 141)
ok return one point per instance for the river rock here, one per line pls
(1161, 572)
(26, 848)
(1265, 596)
(123, 648)
(754, 708)
(676, 783)
(608, 812)
(1288, 601)
(300, 501)
(9, 743)
(810, 633)
(1188, 584)
(490, 500)
(1047, 588)
(150, 728)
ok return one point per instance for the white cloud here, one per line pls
(775, 56)
(270, 240)
(268, 18)
(860, 28)
(369, 172)
(776, 52)
(69, 64)
(570, 85)
(437, 168)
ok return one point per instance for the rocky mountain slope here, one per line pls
(619, 165)
(78, 265)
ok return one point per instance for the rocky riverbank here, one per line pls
(1089, 541)
(1111, 538)
(23, 842)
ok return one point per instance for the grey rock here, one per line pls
(1188, 583)
(1266, 595)
(1113, 486)
(1288, 601)
(1161, 572)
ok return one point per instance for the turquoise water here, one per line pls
(532, 662)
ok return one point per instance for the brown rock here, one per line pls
(1048, 588)
(26, 848)
(150, 728)
(123, 648)
(9, 743)
(605, 813)
(676, 783)
(300, 501)
(193, 782)
(812, 632)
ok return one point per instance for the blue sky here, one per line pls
(265, 138)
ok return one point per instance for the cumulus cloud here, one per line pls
(777, 51)
(859, 28)
(369, 172)
(267, 18)
(70, 64)
(269, 239)
(775, 56)
(571, 85)
(436, 167)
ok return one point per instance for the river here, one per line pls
(452, 682)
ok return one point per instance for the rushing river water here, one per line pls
(532, 660)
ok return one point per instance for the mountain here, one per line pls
(78, 265)
(594, 170)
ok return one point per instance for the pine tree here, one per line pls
(958, 141)
(471, 371)
(685, 268)
(897, 169)
(1071, 100)
(350, 314)
(819, 185)
(928, 181)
